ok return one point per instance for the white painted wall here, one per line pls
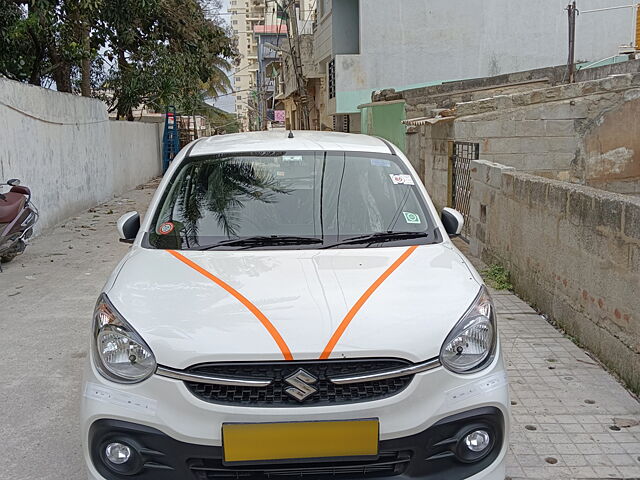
(68, 152)
(407, 42)
(136, 152)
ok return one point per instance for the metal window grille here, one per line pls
(332, 78)
(462, 155)
(346, 124)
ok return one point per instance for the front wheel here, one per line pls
(13, 252)
(6, 258)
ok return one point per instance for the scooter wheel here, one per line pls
(8, 257)
(13, 252)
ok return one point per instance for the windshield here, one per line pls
(291, 200)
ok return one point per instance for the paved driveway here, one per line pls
(569, 414)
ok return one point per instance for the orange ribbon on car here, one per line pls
(284, 348)
(361, 301)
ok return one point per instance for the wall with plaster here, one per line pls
(411, 42)
(65, 148)
(611, 149)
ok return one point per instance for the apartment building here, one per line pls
(257, 24)
(245, 14)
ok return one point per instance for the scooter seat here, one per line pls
(10, 207)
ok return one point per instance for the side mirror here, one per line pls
(14, 182)
(128, 226)
(453, 221)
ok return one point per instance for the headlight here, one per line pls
(471, 344)
(119, 353)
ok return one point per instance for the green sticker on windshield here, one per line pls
(411, 217)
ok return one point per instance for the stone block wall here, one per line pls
(420, 101)
(572, 251)
(585, 133)
(546, 131)
(433, 159)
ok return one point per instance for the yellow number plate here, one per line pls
(299, 440)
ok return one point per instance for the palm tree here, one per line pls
(219, 82)
(223, 186)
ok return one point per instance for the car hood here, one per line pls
(187, 318)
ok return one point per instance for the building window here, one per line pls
(346, 123)
(238, 79)
(332, 78)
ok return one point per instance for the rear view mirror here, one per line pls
(14, 182)
(453, 221)
(128, 226)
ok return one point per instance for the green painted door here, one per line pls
(385, 120)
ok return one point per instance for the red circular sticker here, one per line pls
(166, 228)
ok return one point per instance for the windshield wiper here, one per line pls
(379, 237)
(262, 241)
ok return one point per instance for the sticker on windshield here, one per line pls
(379, 162)
(292, 158)
(166, 228)
(401, 179)
(411, 217)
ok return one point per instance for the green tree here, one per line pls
(127, 52)
(165, 51)
(45, 41)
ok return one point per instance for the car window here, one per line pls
(324, 197)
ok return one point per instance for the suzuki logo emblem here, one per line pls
(301, 385)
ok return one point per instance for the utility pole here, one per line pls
(263, 101)
(572, 11)
(296, 58)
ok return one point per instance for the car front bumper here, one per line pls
(180, 435)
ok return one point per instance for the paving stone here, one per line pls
(571, 405)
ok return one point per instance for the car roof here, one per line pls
(278, 140)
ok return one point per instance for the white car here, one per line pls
(293, 306)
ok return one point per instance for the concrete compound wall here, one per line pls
(611, 149)
(69, 153)
(421, 101)
(586, 133)
(572, 251)
(136, 153)
(544, 130)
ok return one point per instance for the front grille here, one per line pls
(387, 464)
(274, 395)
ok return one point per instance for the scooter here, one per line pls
(18, 215)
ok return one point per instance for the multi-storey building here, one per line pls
(258, 26)
(245, 14)
(296, 108)
(271, 40)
